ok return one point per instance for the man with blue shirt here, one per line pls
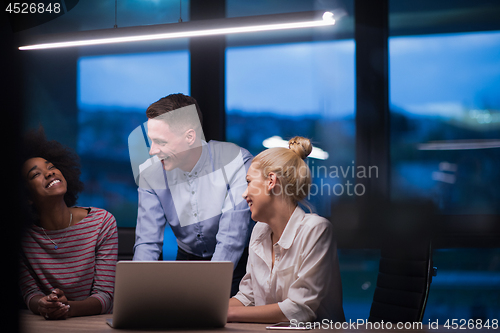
(193, 185)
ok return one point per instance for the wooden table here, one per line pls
(31, 323)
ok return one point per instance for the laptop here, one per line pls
(171, 294)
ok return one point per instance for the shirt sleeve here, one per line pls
(235, 224)
(105, 263)
(314, 275)
(27, 283)
(150, 227)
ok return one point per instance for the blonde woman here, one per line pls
(292, 272)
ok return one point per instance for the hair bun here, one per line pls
(301, 146)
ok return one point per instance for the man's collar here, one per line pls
(200, 165)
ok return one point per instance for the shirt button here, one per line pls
(198, 235)
(192, 192)
(194, 214)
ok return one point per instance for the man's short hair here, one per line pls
(170, 103)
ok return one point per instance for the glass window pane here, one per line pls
(445, 120)
(359, 271)
(235, 8)
(305, 89)
(114, 92)
(466, 286)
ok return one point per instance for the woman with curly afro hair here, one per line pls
(69, 253)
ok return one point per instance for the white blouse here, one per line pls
(305, 280)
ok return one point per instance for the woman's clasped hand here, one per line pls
(54, 306)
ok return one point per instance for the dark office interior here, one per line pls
(409, 88)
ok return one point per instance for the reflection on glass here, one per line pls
(467, 285)
(304, 89)
(113, 94)
(445, 120)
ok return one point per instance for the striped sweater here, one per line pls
(83, 265)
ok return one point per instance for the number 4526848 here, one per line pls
(33, 8)
(463, 324)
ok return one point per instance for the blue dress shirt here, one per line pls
(204, 207)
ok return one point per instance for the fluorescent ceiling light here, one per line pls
(185, 30)
(277, 141)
